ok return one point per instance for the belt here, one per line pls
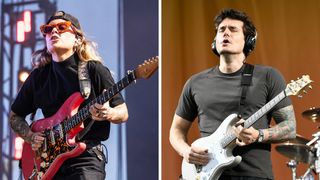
(96, 147)
(93, 144)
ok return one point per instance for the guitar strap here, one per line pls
(85, 90)
(246, 81)
(84, 79)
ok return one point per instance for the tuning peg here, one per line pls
(292, 81)
(310, 87)
(298, 78)
(300, 96)
(304, 91)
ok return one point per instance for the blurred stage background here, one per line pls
(127, 34)
(288, 39)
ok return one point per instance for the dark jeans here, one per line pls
(86, 166)
(241, 178)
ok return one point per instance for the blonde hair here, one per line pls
(85, 49)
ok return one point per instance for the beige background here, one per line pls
(288, 39)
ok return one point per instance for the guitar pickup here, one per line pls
(53, 141)
(61, 131)
(45, 145)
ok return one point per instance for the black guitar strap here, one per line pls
(246, 81)
(85, 89)
(84, 79)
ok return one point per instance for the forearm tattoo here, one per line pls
(284, 130)
(20, 126)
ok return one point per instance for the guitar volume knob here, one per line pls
(43, 164)
(44, 155)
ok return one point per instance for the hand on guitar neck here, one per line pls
(102, 112)
(245, 136)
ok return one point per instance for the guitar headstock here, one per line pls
(146, 69)
(295, 87)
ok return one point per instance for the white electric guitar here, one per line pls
(221, 143)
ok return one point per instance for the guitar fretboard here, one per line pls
(84, 113)
(256, 116)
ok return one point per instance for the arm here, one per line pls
(178, 139)
(285, 128)
(178, 134)
(117, 114)
(20, 126)
(283, 131)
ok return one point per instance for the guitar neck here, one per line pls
(84, 113)
(255, 117)
(262, 111)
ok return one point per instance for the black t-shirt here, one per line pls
(212, 96)
(48, 87)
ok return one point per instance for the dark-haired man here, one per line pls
(217, 92)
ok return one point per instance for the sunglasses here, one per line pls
(61, 27)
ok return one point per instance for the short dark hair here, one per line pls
(248, 27)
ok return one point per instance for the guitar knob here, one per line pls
(44, 155)
(310, 87)
(43, 164)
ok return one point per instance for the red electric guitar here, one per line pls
(61, 129)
